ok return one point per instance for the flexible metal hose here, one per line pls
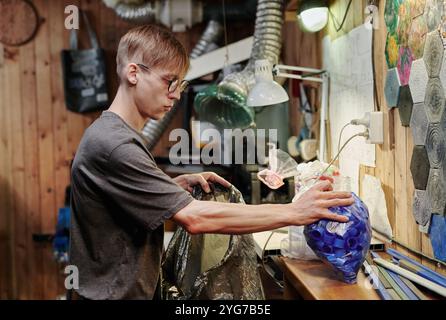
(225, 104)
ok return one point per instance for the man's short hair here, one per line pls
(153, 46)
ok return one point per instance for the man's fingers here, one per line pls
(336, 195)
(204, 184)
(326, 178)
(323, 186)
(338, 202)
(211, 176)
(334, 217)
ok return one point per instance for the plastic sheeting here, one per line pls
(211, 266)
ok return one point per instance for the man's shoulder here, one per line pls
(103, 136)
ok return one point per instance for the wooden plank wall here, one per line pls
(393, 157)
(39, 137)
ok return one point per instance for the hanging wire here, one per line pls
(225, 34)
(335, 21)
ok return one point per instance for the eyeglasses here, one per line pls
(173, 84)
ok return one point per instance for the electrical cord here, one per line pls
(343, 19)
(340, 135)
(263, 257)
(360, 134)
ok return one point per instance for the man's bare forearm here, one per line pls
(217, 217)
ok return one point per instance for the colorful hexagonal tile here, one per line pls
(436, 145)
(391, 15)
(405, 104)
(418, 81)
(419, 167)
(404, 22)
(419, 124)
(404, 65)
(437, 235)
(417, 36)
(436, 191)
(416, 7)
(433, 12)
(421, 209)
(433, 53)
(392, 50)
(392, 88)
(434, 100)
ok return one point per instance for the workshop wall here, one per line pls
(394, 156)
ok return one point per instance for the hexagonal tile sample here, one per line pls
(436, 191)
(416, 7)
(405, 105)
(420, 167)
(436, 145)
(418, 80)
(391, 15)
(404, 65)
(419, 124)
(433, 53)
(443, 72)
(421, 208)
(434, 100)
(392, 88)
(392, 50)
(417, 36)
(437, 236)
(433, 12)
(404, 22)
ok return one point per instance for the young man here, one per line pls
(120, 198)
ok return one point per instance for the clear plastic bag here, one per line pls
(281, 166)
(295, 246)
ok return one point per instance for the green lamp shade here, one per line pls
(223, 107)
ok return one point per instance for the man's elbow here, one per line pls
(188, 220)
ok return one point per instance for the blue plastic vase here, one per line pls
(343, 246)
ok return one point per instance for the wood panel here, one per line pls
(393, 157)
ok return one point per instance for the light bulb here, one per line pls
(314, 19)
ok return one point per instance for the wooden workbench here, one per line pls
(314, 280)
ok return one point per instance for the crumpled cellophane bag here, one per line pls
(211, 266)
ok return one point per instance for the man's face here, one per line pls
(152, 96)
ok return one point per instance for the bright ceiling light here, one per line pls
(312, 15)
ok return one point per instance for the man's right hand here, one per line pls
(313, 204)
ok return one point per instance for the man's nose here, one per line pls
(175, 95)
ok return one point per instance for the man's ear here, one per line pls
(131, 73)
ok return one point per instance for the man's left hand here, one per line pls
(187, 181)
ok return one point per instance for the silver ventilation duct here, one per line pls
(155, 128)
(137, 13)
(225, 104)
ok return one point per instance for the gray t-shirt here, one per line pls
(120, 200)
